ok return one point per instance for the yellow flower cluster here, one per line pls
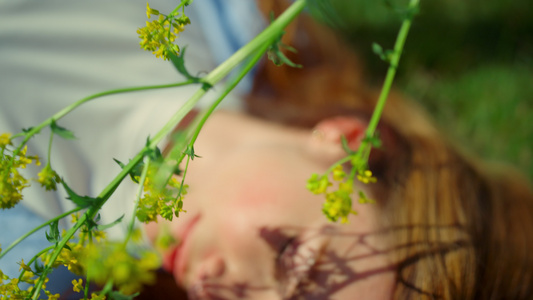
(365, 176)
(70, 255)
(9, 287)
(11, 180)
(48, 178)
(95, 296)
(159, 35)
(5, 139)
(338, 204)
(77, 286)
(166, 202)
(99, 260)
(318, 184)
(111, 261)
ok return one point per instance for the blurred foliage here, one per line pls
(470, 63)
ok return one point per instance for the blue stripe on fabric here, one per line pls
(228, 25)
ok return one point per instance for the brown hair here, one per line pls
(458, 230)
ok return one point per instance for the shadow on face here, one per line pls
(342, 265)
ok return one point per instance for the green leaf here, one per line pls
(54, 235)
(39, 268)
(119, 163)
(135, 171)
(375, 141)
(80, 201)
(278, 57)
(190, 152)
(378, 50)
(155, 155)
(385, 55)
(62, 132)
(274, 53)
(104, 227)
(91, 224)
(179, 63)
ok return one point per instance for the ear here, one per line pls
(325, 139)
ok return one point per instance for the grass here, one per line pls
(469, 64)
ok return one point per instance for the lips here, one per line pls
(175, 261)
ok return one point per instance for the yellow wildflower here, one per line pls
(53, 297)
(5, 139)
(48, 178)
(366, 177)
(151, 11)
(338, 173)
(166, 202)
(28, 278)
(339, 203)
(75, 217)
(24, 266)
(23, 159)
(158, 36)
(77, 285)
(111, 262)
(95, 296)
(318, 184)
(99, 235)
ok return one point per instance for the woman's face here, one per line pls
(253, 231)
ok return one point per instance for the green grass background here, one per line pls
(470, 63)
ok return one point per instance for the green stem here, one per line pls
(50, 148)
(68, 109)
(391, 72)
(339, 162)
(181, 5)
(138, 199)
(107, 288)
(86, 289)
(258, 45)
(178, 147)
(252, 62)
(111, 187)
(68, 235)
(20, 239)
(266, 37)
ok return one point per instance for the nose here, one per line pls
(209, 270)
(212, 266)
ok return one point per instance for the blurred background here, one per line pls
(469, 63)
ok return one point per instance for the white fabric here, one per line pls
(55, 52)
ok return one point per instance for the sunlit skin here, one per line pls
(253, 231)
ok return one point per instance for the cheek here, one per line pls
(276, 195)
(260, 192)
